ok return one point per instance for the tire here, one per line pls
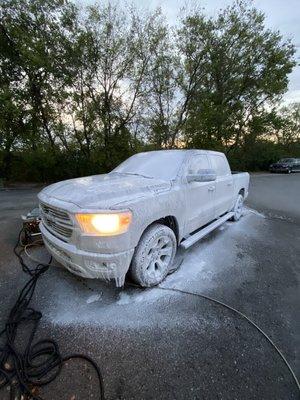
(238, 208)
(153, 256)
(288, 171)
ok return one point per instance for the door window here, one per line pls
(198, 163)
(220, 165)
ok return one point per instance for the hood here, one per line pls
(103, 191)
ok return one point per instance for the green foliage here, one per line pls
(236, 67)
(258, 157)
(83, 89)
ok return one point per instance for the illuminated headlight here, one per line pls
(104, 224)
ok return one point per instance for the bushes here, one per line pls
(45, 165)
(256, 157)
(48, 165)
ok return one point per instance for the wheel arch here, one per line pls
(242, 192)
(170, 221)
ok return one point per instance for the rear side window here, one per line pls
(197, 163)
(220, 165)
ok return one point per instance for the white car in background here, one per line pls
(134, 218)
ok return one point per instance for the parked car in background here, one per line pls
(286, 165)
(134, 218)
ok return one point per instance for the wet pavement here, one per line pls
(156, 344)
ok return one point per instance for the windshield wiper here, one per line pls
(135, 174)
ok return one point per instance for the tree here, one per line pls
(81, 89)
(161, 87)
(115, 50)
(289, 130)
(33, 67)
(234, 68)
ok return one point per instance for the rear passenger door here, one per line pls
(199, 195)
(223, 183)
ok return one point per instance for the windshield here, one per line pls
(286, 160)
(154, 164)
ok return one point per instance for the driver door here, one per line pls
(200, 196)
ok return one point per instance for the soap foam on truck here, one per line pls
(132, 220)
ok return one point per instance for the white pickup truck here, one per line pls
(134, 218)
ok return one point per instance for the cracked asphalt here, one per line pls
(157, 344)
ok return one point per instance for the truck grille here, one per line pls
(57, 221)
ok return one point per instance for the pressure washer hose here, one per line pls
(25, 370)
(243, 316)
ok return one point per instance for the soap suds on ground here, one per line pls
(216, 262)
(146, 296)
(248, 210)
(269, 214)
(93, 298)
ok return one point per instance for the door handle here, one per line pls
(229, 184)
(211, 188)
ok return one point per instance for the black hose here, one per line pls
(39, 362)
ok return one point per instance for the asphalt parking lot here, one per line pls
(155, 344)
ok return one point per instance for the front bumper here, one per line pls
(88, 264)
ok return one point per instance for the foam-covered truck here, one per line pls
(132, 219)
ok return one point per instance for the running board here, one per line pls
(186, 243)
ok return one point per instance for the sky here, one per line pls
(282, 15)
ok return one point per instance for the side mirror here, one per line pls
(204, 175)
